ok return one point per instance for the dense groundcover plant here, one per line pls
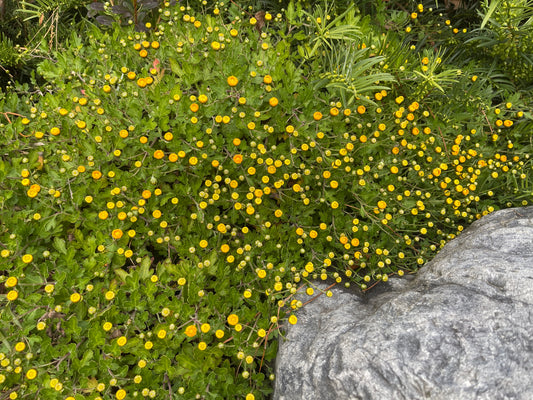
(168, 193)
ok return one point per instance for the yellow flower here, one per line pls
(317, 116)
(191, 331)
(109, 295)
(161, 334)
(75, 297)
(20, 346)
(219, 333)
(233, 319)
(148, 345)
(11, 282)
(202, 346)
(27, 258)
(205, 327)
(31, 374)
(293, 319)
(121, 341)
(233, 81)
(121, 394)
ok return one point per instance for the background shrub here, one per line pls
(167, 193)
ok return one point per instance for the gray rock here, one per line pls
(461, 329)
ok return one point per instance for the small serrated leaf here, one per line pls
(59, 245)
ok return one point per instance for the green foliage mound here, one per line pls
(169, 192)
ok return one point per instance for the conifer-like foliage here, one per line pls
(170, 196)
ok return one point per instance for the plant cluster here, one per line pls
(171, 197)
(29, 30)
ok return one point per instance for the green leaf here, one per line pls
(122, 274)
(494, 4)
(145, 271)
(60, 245)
